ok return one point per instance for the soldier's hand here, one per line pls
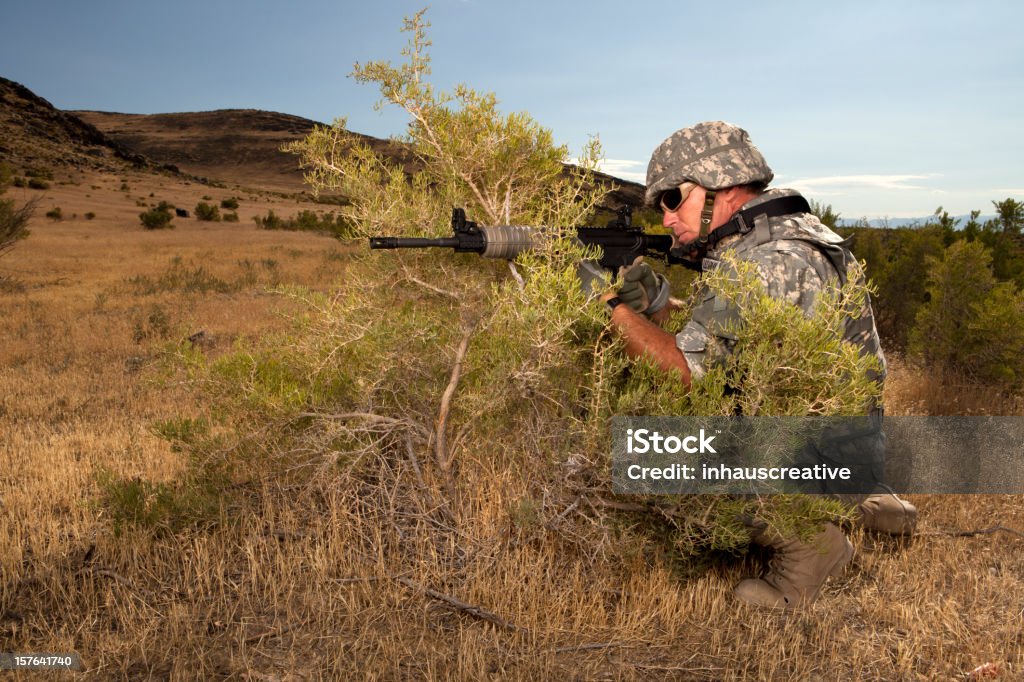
(642, 289)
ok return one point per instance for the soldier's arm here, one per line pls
(643, 337)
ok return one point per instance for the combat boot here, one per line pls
(887, 513)
(797, 570)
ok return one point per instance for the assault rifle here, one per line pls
(620, 242)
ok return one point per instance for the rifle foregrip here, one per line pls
(506, 241)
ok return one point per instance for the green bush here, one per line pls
(157, 507)
(971, 322)
(90, 215)
(269, 222)
(14, 221)
(351, 393)
(207, 212)
(36, 183)
(230, 217)
(55, 214)
(308, 221)
(231, 204)
(156, 219)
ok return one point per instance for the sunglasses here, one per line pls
(672, 199)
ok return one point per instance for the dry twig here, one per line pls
(440, 445)
(475, 611)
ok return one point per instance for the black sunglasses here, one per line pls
(672, 199)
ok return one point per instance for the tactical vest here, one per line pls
(858, 445)
(781, 232)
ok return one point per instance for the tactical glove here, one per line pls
(643, 290)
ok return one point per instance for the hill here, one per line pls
(243, 146)
(240, 146)
(35, 134)
(233, 146)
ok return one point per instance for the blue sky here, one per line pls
(878, 108)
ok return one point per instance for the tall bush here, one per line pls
(450, 382)
(13, 218)
(971, 322)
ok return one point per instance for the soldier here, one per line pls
(710, 182)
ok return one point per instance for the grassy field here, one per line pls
(88, 308)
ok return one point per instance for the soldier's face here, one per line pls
(685, 220)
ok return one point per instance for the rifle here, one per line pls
(620, 242)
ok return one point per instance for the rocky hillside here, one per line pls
(241, 146)
(34, 134)
(234, 146)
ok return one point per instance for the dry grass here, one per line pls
(315, 585)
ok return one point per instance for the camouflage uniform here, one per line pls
(796, 256)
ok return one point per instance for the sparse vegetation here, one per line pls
(55, 214)
(307, 221)
(158, 218)
(207, 212)
(292, 512)
(13, 219)
(231, 204)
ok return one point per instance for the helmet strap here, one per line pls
(705, 215)
(692, 254)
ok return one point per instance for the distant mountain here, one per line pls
(910, 222)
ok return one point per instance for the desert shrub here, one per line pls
(55, 214)
(896, 261)
(183, 278)
(971, 322)
(187, 277)
(231, 204)
(271, 221)
(156, 219)
(308, 221)
(154, 325)
(494, 384)
(90, 215)
(230, 217)
(160, 507)
(37, 183)
(208, 212)
(13, 219)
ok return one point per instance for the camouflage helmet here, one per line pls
(713, 154)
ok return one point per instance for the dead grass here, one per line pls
(315, 585)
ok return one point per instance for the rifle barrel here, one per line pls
(411, 242)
